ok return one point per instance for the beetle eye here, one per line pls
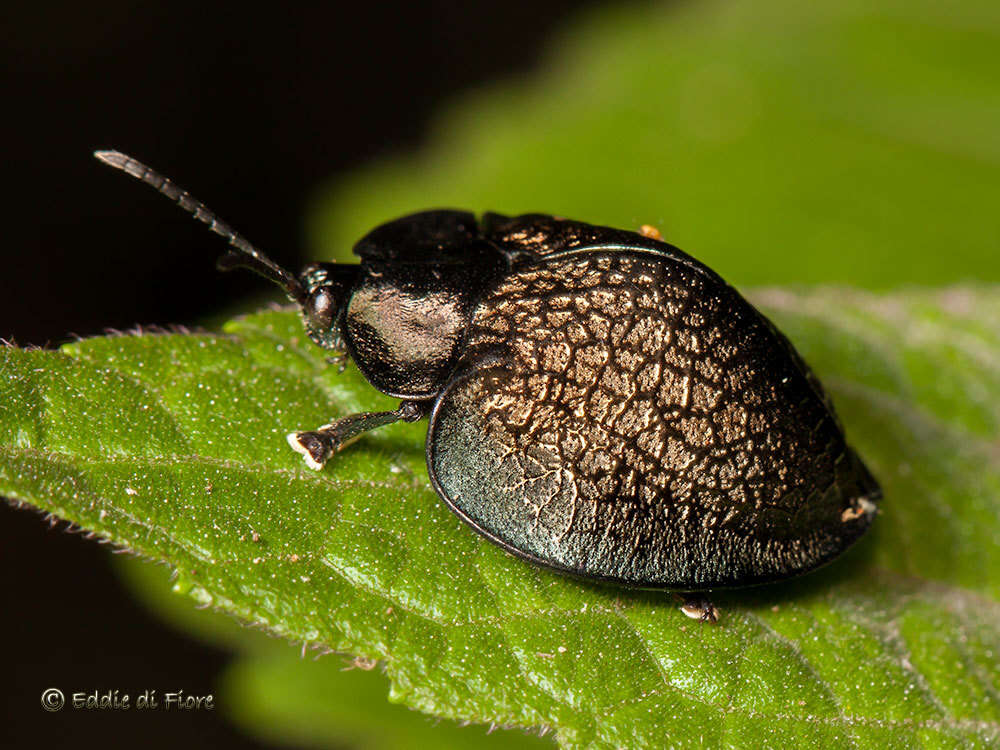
(321, 307)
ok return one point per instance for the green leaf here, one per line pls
(289, 696)
(780, 141)
(173, 445)
(316, 703)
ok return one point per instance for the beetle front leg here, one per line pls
(317, 446)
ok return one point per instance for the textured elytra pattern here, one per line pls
(629, 417)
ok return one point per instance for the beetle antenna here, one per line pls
(245, 255)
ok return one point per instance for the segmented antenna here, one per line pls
(247, 256)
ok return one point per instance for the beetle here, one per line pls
(598, 401)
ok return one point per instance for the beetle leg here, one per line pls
(341, 360)
(317, 446)
(648, 230)
(698, 607)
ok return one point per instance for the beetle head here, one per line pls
(327, 288)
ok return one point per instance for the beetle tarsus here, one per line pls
(316, 446)
(698, 607)
(341, 360)
(412, 411)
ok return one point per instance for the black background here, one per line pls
(251, 109)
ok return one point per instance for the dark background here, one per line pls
(251, 110)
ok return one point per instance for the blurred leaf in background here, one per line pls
(781, 143)
(855, 141)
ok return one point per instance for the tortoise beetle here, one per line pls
(599, 402)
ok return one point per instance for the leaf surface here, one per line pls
(172, 445)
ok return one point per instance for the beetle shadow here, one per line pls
(853, 566)
(394, 448)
